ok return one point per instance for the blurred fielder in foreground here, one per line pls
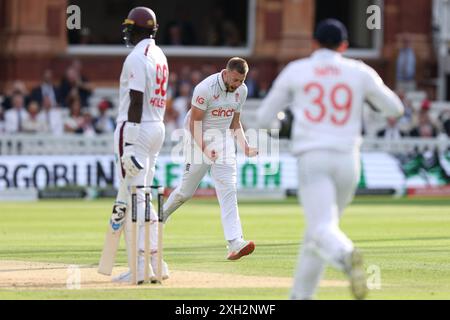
(326, 93)
(138, 138)
(211, 125)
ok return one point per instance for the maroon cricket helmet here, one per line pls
(140, 18)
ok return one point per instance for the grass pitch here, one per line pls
(405, 243)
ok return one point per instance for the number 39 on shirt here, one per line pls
(339, 97)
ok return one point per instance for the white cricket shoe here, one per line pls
(239, 249)
(357, 274)
(125, 277)
(165, 268)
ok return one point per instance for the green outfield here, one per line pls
(406, 241)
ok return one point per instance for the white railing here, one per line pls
(373, 121)
(50, 145)
(103, 145)
(406, 145)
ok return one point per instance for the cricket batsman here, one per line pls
(212, 125)
(326, 94)
(140, 131)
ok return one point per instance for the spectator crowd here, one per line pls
(55, 108)
(64, 107)
(417, 122)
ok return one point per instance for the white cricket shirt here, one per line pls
(145, 70)
(211, 96)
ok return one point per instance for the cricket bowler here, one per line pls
(212, 125)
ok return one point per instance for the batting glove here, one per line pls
(130, 163)
(119, 212)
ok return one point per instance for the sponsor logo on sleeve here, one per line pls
(200, 100)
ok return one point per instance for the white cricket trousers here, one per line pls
(327, 183)
(147, 147)
(224, 177)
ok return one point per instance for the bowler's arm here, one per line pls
(238, 131)
(196, 126)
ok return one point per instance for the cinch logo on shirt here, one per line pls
(222, 112)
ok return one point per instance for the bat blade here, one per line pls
(112, 241)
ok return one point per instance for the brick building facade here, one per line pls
(33, 38)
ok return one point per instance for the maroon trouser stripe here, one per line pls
(121, 148)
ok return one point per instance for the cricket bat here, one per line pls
(112, 239)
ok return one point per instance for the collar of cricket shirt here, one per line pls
(326, 54)
(145, 42)
(221, 82)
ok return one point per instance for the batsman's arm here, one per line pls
(131, 133)
(137, 83)
(136, 106)
(137, 79)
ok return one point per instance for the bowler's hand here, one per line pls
(211, 154)
(251, 152)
